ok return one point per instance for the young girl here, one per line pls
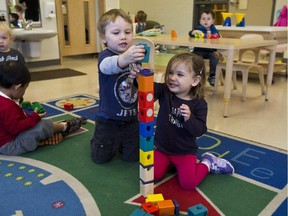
(181, 119)
(19, 131)
(116, 123)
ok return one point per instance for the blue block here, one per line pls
(147, 53)
(147, 143)
(177, 207)
(197, 210)
(146, 72)
(139, 212)
(146, 129)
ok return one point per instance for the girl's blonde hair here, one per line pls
(6, 29)
(111, 16)
(194, 64)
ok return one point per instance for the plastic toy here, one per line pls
(198, 210)
(37, 105)
(68, 106)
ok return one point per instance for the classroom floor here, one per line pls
(254, 120)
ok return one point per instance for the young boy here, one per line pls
(206, 21)
(7, 53)
(19, 131)
(116, 124)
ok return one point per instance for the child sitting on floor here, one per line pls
(19, 131)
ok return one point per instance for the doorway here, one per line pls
(76, 22)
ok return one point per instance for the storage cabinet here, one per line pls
(218, 6)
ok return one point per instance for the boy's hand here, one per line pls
(134, 70)
(131, 55)
(185, 111)
(40, 114)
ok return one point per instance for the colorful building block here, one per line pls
(145, 83)
(146, 129)
(166, 207)
(154, 198)
(146, 99)
(147, 143)
(150, 208)
(146, 189)
(146, 158)
(139, 212)
(197, 210)
(68, 106)
(177, 207)
(146, 114)
(146, 174)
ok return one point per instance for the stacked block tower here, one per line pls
(146, 124)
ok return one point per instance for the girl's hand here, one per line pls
(185, 111)
(131, 55)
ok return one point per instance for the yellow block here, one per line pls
(146, 158)
(154, 198)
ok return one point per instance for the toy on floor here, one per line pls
(34, 105)
(197, 210)
(68, 106)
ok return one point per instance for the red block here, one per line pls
(146, 99)
(146, 114)
(68, 106)
(150, 208)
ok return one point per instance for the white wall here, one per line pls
(173, 14)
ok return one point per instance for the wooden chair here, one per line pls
(244, 67)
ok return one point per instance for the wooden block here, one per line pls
(145, 83)
(146, 158)
(166, 207)
(154, 198)
(150, 208)
(68, 106)
(147, 143)
(146, 99)
(146, 189)
(146, 114)
(146, 129)
(197, 210)
(146, 174)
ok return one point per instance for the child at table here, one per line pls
(21, 132)
(141, 18)
(116, 122)
(181, 119)
(206, 21)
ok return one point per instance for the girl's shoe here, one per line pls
(218, 165)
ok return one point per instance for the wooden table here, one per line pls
(227, 46)
(268, 32)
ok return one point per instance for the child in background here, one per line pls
(116, 123)
(206, 21)
(141, 18)
(19, 131)
(14, 18)
(7, 53)
(181, 119)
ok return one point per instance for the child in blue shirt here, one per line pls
(116, 123)
(207, 19)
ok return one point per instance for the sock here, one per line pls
(64, 126)
(207, 163)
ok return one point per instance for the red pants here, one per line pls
(190, 173)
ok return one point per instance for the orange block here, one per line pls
(145, 83)
(166, 207)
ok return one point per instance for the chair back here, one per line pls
(256, 52)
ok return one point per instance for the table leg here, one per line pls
(270, 70)
(228, 80)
